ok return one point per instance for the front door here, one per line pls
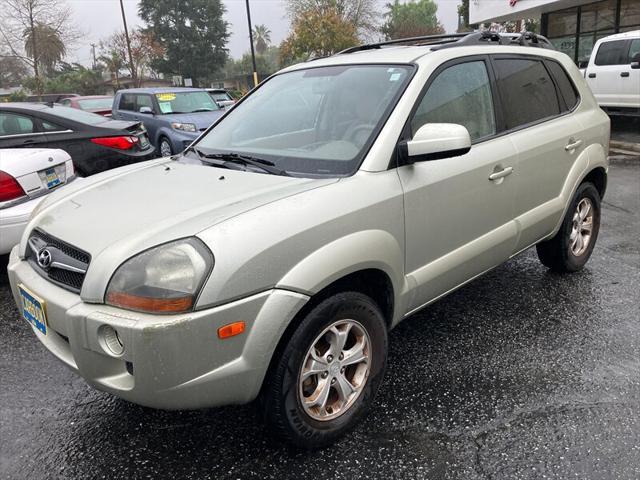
(458, 211)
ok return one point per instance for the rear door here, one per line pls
(126, 107)
(458, 211)
(603, 74)
(547, 138)
(19, 130)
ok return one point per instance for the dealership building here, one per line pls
(573, 26)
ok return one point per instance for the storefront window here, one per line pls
(630, 14)
(596, 20)
(598, 16)
(585, 45)
(562, 23)
(565, 44)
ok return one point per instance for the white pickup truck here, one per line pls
(613, 73)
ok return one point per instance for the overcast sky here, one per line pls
(100, 18)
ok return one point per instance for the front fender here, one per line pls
(369, 249)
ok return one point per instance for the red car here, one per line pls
(100, 104)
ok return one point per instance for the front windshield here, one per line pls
(186, 102)
(317, 121)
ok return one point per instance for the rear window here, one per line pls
(611, 53)
(527, 91)
(567, 89)
(76, 115)
(96, 103)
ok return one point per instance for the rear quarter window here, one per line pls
(127, 102)
(528, 94)
(565, 85)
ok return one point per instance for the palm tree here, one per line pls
(261, 38)
(114, 63)
(43, 44)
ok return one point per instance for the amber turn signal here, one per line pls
(231, 330)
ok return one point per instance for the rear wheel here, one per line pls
(165, 147)
(570, 249)
(329, 371)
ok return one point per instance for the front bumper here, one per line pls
(169, 361)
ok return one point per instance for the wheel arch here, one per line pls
(373, 282)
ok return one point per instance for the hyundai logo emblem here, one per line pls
(44, 258)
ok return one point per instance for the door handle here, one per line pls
(501, 174)
(573, 144)
(624, 74)
(592, 75)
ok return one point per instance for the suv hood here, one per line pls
(119, 214)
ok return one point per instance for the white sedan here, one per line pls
(26, 175)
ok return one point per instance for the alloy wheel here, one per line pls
(581, 227)
(335, 370)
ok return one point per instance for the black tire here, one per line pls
(556, 253)
(168, 143)
(281, 402)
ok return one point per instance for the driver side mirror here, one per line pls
(434, 141)
(147, 110)
(635, 61)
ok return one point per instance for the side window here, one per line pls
(14, 124)
(459, 94)
(51, 127)
(143, 101)
(127, 102)
(611, 53)
(526, 90)
(634, 49)
(66, 102)
(567, 89)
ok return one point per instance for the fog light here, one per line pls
(110, 340)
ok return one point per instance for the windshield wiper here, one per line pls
(231, 157)
(202, 110)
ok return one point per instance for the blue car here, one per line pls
(173, 117)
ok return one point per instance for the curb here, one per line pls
(616, 159)
(632, 148)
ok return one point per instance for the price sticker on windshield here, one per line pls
(166, 97)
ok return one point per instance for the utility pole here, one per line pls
(93, 50)
(253, 53)
(126, 35)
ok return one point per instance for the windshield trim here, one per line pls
(384, 118)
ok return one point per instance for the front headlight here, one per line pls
(163, 279)
(185, 127)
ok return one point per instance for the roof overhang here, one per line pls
(485, 11)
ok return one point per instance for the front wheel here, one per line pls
(165, 147)
(329, 371)
(570, 249)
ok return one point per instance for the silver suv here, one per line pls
(271, 258)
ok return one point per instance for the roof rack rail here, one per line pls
(449, 40)
(422, 40)
(525, 39)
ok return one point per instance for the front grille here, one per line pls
(60, 275)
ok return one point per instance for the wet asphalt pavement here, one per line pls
(521, 374)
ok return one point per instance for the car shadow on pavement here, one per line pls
(4, 278)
